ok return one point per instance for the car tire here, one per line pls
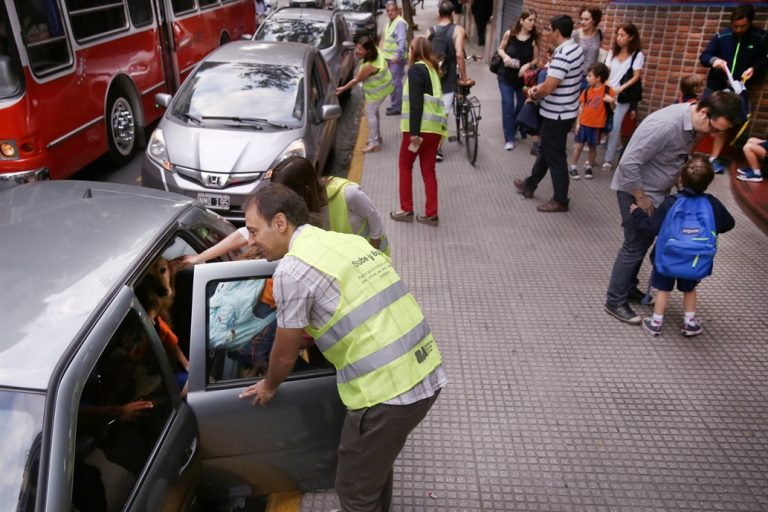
(121, 128)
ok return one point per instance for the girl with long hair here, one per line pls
(377, 85)
(519, 49)
(625, 58)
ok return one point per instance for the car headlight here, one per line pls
(157, 151)
(8, 149)
(370, 25)
(295, 148)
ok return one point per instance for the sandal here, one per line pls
(401, 216)
(423, 219)
(371, 148)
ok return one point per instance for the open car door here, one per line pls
(290, 444)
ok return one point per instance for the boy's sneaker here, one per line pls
(650, 328)
(691, 329)
(587, 172)
(749, 175)
(718, 166)
(607, 166)
(574, 172)
(743, 170)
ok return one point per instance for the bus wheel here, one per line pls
(121, 130)
(224, 39)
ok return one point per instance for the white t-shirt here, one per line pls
(619, 69)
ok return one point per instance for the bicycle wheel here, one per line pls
(470, 135)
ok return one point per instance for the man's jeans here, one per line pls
(554, 135)
(398, 71)
(630, 257)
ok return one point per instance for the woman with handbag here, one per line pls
(625, 61)
(518, 50)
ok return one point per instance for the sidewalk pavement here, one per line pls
(551, 403)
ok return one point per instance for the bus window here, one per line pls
(140, 11)
(10, 71)
(43, 33)
(183, 6)
(207, 3)
(93, 18)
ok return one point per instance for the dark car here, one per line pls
(91, 403)
(360, 16)
(325, 30)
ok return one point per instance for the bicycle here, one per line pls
(466, 110)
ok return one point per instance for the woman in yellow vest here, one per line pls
(424, 123)
(334, 203)
(377, 84)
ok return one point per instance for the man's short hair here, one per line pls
(742, 11)
(445, 8)
(563, 24)
(273, 198)
(722, 104)
(390, 3)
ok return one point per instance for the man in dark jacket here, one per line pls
(742, 49)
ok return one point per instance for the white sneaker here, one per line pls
(509, 146)
(607, 166)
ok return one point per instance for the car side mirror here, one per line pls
(330, 112)
(162, 99)
(347, 46)
(246, 37)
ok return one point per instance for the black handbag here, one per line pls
(634, 93)
(496, 64)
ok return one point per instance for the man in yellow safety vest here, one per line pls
(347, 296)
(394, 50)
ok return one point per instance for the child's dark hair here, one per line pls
(691, 85)
(600, 71)
(697, 173)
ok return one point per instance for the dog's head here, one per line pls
(160, 276)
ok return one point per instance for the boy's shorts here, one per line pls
(667, 284)
(764, 145)
(588, 135)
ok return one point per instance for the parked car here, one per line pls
(91, 415)
(317, 4)
(246, 107)
(360, 16)
(325, 30)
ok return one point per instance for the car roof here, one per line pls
(262, 52)
(66, 245)
(301, 13)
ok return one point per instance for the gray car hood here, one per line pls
(225, 150)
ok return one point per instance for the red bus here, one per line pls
(78, 77)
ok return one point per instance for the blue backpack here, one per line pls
(687, 242)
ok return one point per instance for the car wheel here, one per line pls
(121, 128)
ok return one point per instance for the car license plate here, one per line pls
(214, 201)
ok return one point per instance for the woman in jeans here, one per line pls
(377, 85)
(626, 53)
(518, 49)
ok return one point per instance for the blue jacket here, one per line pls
(740, 54)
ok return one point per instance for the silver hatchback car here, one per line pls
(91, 384)
(246, 107)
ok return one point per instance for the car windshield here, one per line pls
(21, 420)
(355, 5)
(314, 33)
(10, 70)
(242, 95)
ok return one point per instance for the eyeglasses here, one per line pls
(714, 129)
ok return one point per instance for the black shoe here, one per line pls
(624, 313)
(636, 295)
(393, 112)
(439, 156)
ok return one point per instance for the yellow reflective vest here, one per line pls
(390, 43)
(433, 116)
(338, 212)
(377, 86)
(378, 338)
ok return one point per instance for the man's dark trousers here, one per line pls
(554, 135)
(630, 257)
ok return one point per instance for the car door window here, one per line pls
(317, 95)
(122, 413)
(242, 323)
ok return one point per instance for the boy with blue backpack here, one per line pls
(686, 225)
